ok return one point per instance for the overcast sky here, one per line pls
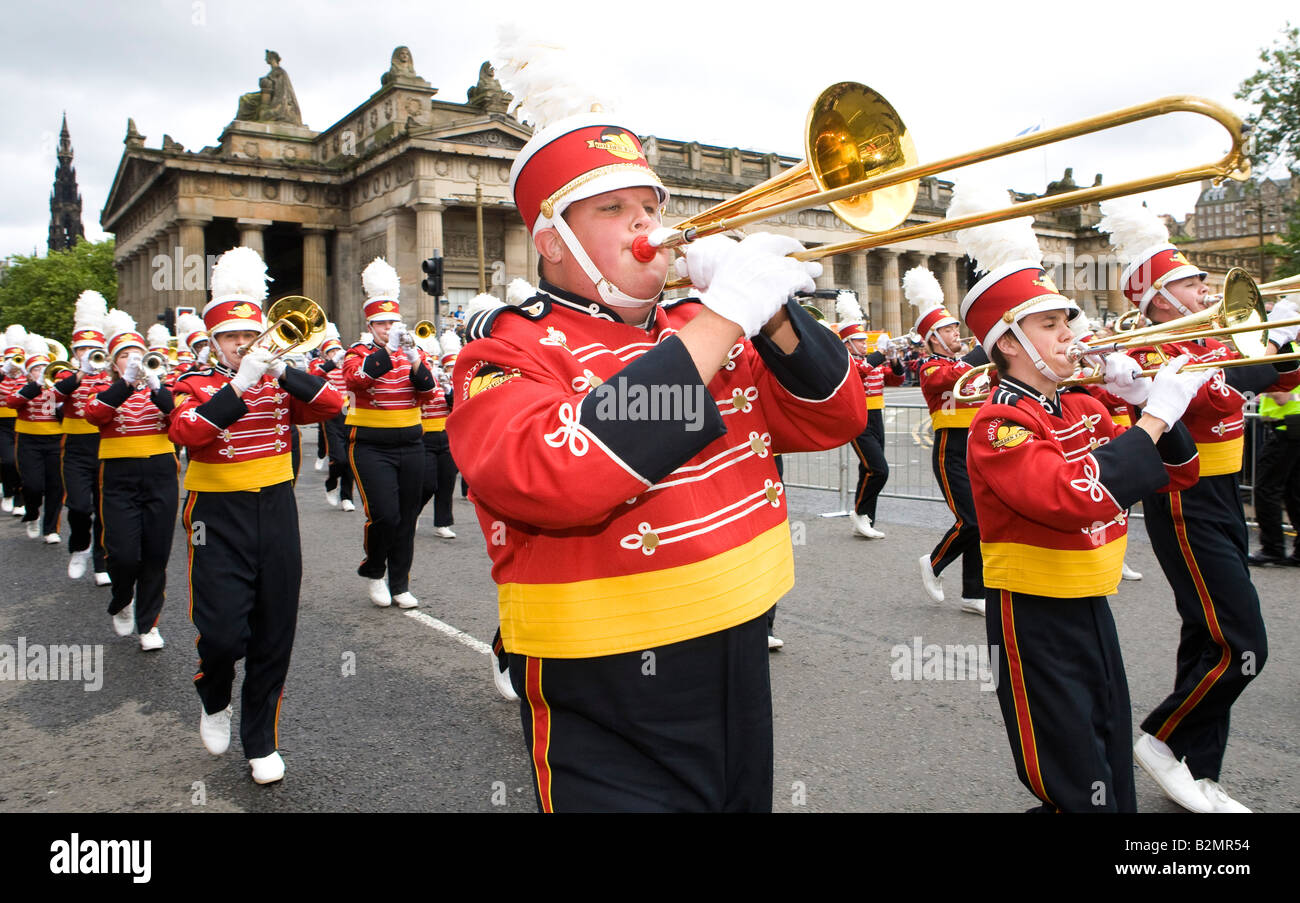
(729, 73)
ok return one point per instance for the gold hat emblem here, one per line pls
(618, 143)
(388, 305)
(1045, 281)
(243, 311)
(1177, 257)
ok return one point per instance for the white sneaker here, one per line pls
(346, 505)
(52, 539)
(321, 463)
(102, 579)
(332, 496)
(151, 641)
(77, 564)
(1171, 773)
(214, 731)
(7, 504)
(268, 769)
(33, 529)
(774, 642)
(379, 592)
(932, 582)
(974, 606)
(1218, 797)
(18, 511)
(406, 600)
(862, 527)
(124, 620)
(501, 680)
(444, 532)
(1127, 573)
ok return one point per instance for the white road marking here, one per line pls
(459, 636)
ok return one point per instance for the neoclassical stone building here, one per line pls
(406, 173)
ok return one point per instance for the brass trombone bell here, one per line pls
(55, 371)
(58, 351)
(424, 330)
(297, 324)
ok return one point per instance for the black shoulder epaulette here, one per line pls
(479, 326)
(669, 305)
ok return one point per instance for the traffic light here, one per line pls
(432, 282)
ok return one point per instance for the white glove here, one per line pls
(703, 257)
(87, 368)
(251, 369)
(1122, 379)
(882, 344)
(276, 367)
(1172, 392)
(395, 337)
(337, 357)
(755, 281)
(134, 364)
(1283, 310)
(152, 380)
(12, 369)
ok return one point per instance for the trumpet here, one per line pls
(297, 324)
(1239, 317)
(55, 371)
(153, 364)
(861, 163)
(97, 358)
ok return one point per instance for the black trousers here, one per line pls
(335, 445)
(1277, 485)
(80, 469)
(137, 506)
(1200, 539)
(321, 446)
(948, 459)
(1064, 700)
(439, 477)
(873, 469)
(390, 478)
(683, 727)
(244, 581)
(38, 462)
(10, 482)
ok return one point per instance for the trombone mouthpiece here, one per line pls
(643, 250)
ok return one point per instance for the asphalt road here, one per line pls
(385, 712)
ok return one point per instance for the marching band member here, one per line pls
(1198, 533)
(333, 437)
(137, 483)
(388, 380)
(80, 459)
(939, 371)
(159, 340)
(876, 372)
(12, 378)
(246, 574)
(439, 468)
(620, 539)
(1052, 476)
(38, 441)
(192, 353)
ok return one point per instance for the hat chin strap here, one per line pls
(609, 293)
(1039, 363)
(1178, 305)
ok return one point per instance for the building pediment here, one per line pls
(485, 132)
(134, 175)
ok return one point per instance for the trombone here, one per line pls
(55, 371)
(297, 324)
(863, 166)
(1238, 315)
(1280, 286)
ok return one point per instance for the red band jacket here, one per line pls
(74, 394)
(938, 375)
(385, 391)
(38, 409)
(132, 422)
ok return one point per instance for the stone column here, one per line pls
(827, 279)
(193, 287)
(948, 279)
(250, 233)
(176, 266)
(150, 294)
(347, 285)
(858, 282)
(428, 238)
(314, 282)
(517, 244)
(893, 293)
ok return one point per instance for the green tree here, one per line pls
(1275, 92)
(40, 292)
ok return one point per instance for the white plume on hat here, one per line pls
(15, 336)
(187, 325)
(240, 272)
(847, 308)
(449, 342)
(481, 303)
(549, 82)
(331, 332)
(117, 322)
(1133, 227)
(34, 345)
(996, 244)
(921, 289)
(379, 280)
(519, 290)
(90, 310)
(158, 336)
